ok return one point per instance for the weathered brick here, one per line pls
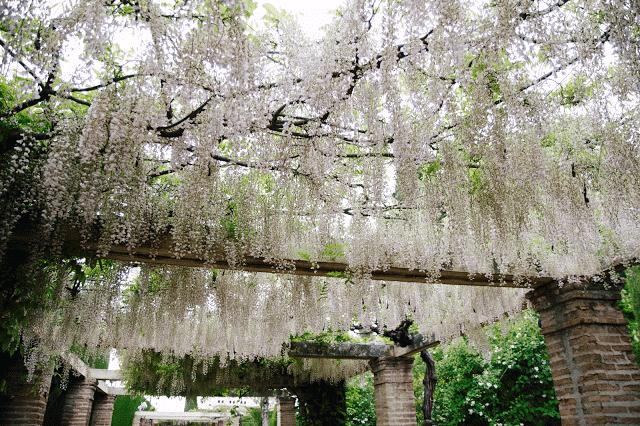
(634, 387)
(28, 400)
(393, 387)
(590, 366)
(623, 347)
(589, 349)
(627, 420)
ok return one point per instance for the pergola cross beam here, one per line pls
(368, 351)
(160, 251)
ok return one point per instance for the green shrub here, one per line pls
(125, 408)
(361, 408)
(254, 417)
(513, 386)
(630, 306)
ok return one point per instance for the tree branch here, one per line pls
(108, 83)
(24, 105)
(22, 64)
(170, 131)
(43, 95)
(559, 4)
(72, 98)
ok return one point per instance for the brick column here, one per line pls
(25, 402)
(286, 411)
(393, 388)
(595, 376)
(79, 402)
(102, 409)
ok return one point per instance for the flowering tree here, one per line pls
(488, 138)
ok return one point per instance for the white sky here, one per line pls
(311, 14)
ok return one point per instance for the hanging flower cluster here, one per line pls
(238, 317)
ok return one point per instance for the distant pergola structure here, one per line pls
(89, 399)
(151, 418)
(596, 377)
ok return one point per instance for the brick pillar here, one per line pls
(286, 411)
(79, 402)
(25, 402)
(393, 388)
(595, 376)
(102, 409)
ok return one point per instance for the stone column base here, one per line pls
(102, 409)
(79, 402)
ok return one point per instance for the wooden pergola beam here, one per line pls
(104, 374)
(345, 350)
(304, 349)
(161, 252)
(297, 349)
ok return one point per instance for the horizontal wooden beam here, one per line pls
(346, 350)
(76, 364)
(102, 374)
(118, 390)
(307, 349)
(161, 252)
(103, 388)
(188, 417)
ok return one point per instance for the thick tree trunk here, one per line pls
(429, 381)
(265, 411)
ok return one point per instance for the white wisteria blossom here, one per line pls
(494, 138)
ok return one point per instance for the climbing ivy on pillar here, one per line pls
(286, 411)
(265, 411)
(191, 403)
(23, 402)
(322, 403)
(19, 294)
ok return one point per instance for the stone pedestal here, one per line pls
(393, 388)
(102, 409)
(25, 402)
(79, 402)
(286, 411)
(595, 375)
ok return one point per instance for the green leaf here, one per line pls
(271, 10)
(305, 256)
